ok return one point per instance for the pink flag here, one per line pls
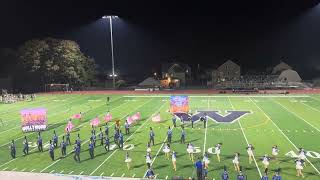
(108, 117)
(156, 118)
(136, 116)
(69, 126)
(95, 122)
(76, 116)
(130, 120)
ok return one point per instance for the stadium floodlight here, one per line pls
(111, 40)
(113, 75)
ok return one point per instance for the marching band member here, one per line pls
(190, 150)
(275, 151)
(302, 155)
(277, 175)
(299, 167)
(166, 150)
(206, 161)
(236, 162)
(217, 150)
(174, 160)
(241, 176)
(266, 161)
(265, 176)
(128, 160)
(250, 149)
(225, 175)
(148, 159)
(150, 173)
(148, 148)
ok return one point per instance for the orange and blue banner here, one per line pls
(179, 104)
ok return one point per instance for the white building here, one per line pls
(289, 75)
(280, 67)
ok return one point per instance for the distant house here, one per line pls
(150, 82)
(228, 71)
(280, 67)
(179, 72)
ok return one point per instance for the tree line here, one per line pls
(44, 61)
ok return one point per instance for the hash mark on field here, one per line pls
(133, 175)
(23, 169)
(51, 171)
(81, 173)
(71, 172)
(13, 169)
(61, 171)
(32, 170)
(5, 168)
(122, 174)
(101, 174)
(166, 177)
(112, 174)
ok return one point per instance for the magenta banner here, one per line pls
(34, 119)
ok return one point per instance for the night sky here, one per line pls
(255, 34)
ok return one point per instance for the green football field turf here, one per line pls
(290, 122)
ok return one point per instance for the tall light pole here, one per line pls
(112, 56)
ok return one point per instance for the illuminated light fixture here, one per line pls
(113, 75)
(110, 17)
(106, 17)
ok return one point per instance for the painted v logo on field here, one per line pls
(229, 117)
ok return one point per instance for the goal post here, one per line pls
(57, 87)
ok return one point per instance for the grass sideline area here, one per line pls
(290, 121)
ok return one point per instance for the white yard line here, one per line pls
(23, 169)
(123, 175)
(70, 172)
(157, 154)
(8, 162)
(245, 137)
(9, 129)
(205, 132)
(133, 175)
(112, 174)
(295, 114)
(155, 157)
(51, 171)
(61, 171)
(5, 168)
(101, 174)
(283, 134)
(32, 170)
(81, 173)
(311, 107)
(127, 139)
